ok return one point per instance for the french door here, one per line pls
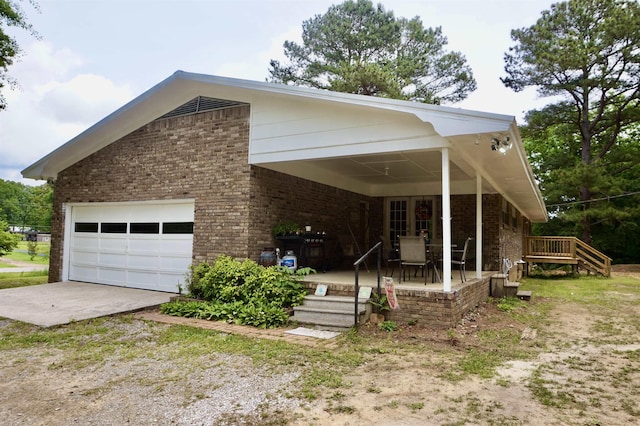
(410, 216)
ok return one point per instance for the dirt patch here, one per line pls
(632, 268)
(579, 364)
(585, 372)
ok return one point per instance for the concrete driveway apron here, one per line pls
(52, 304)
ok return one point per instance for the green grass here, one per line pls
(42, 249)
(21, 279)
(583, 289)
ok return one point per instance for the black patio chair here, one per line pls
(413, 253)
(461, 259)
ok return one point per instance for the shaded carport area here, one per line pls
(60, 303)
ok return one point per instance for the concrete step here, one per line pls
(323, 318)
(330, 311)
(333, 302)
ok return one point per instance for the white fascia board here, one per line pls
(515, 160)
(183, 86)
(533, 185)
(448, 121)
(332, 151)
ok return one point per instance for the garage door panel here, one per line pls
(137, 245)
(113, 245)
(108, 249)
(113, 260)
(86, 273)
(154, 280)
(170, 282)
(175, 263)
(86, 258)
(86, 241)
(144, 262)
(112, 276)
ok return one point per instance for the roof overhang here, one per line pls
(370, 145)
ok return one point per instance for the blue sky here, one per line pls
(96, 55)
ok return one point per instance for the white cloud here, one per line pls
(53, 104)
(43, 60)
(257, 68)
(84, 99)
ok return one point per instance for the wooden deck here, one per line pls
(566, 251)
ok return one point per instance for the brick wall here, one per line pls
(204, 157)
(491, 221)
(276, 197)
(427, 307)
(511, 240)
(194, 156)
(499, 238)
(436, 308)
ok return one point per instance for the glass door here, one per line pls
(409, 216)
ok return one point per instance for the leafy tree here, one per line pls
(357, 47)
(10, 193)
(11, 15)
(8, 241)
(584, 53)
(22, 205)
(614, 212)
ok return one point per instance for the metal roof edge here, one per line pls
(421, 110)
(446, 120)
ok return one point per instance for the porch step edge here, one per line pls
(303, 308)
(337, 299)
(324, 319)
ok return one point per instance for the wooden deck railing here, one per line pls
(566, 250)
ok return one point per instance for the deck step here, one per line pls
(524, 295)
(511, 288)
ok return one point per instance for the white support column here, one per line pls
(478, 226)
(446, 222)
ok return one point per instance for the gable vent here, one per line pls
(201, 104)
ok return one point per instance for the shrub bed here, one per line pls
(240, 292)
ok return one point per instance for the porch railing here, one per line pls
(566, 250)
(356, 265)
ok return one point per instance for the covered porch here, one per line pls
(416, 169)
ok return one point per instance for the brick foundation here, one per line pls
(427, 307)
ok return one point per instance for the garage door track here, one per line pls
(59, 303)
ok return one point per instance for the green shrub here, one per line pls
(240, 292)
(8, 241)
(256, 314)
(229, 280)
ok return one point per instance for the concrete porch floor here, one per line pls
(370, 279)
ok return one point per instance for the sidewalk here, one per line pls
(18, 266)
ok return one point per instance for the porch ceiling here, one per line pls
(419, 172)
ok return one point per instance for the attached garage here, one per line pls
(141, 245)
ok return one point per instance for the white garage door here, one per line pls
(144, 246)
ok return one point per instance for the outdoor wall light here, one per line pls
(502, 146)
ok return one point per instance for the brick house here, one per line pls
(201, 165)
